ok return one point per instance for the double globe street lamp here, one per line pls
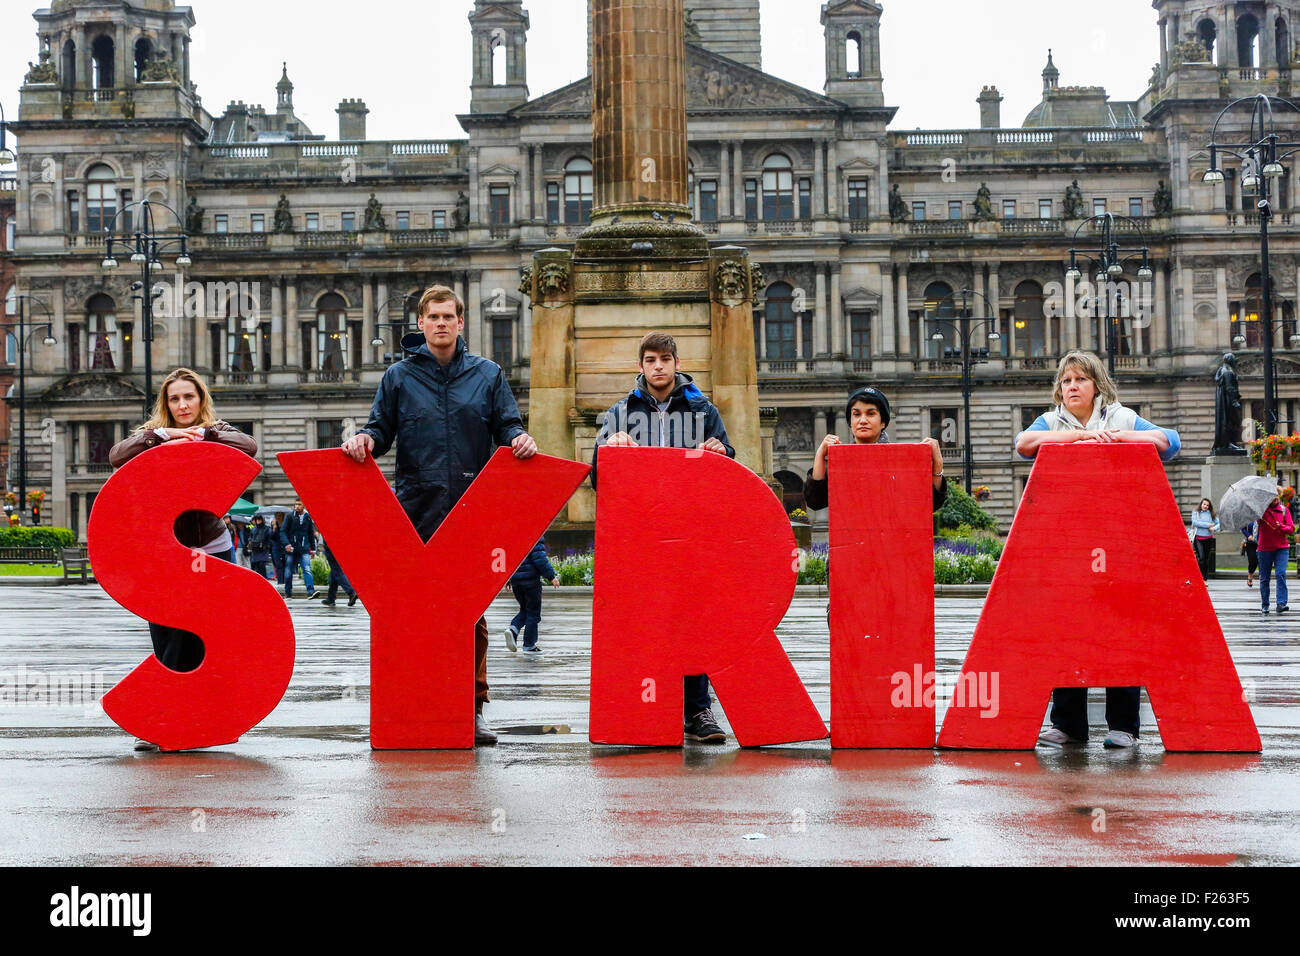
(49, 340)
(1106, 266)
(146, 246)
(964, 328)
(1261, 165)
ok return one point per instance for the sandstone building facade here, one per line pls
(304, 246)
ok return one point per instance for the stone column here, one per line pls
(1164, 44)
(278, 324)
(60, 200)
(819, 178)
(978, 304)
(762, 334)
(904, 322)
(1228, 48)
(367, 317)
(724, 181)
(832, 182)
(527, 194)
(1159, 313)
(994, 293)
(384, 331)
(882, 333)
(836, 314)
(293, 334)
(123, 60)
(539, 183)
(738, 181)
(821, 427)
(639, 108)
(819, 316)
(475, 190)
(475, 334)
(1200, 336)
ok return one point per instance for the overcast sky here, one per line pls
(410, 60)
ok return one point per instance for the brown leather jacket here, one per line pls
(193, 528)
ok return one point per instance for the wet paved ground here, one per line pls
(305, 788)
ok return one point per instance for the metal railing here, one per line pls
(230, 240)
(938, 227)
(327, 240)
(419, 237)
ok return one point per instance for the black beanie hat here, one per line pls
(871, 396)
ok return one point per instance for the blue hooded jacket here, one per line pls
(446, 422)
(535, 569)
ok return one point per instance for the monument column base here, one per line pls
(1218, 474)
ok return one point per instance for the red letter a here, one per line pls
(882, 595)
(1098, 587)
(142, 566)
(694, 571)
(424, 599)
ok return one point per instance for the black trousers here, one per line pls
(180, 650)
(337, 579)
(1070, 710)
(1252, 557)
(1205, 556)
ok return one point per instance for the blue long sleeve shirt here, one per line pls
(1175, 443)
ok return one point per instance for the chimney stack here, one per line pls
(352, 120)
(990, 101)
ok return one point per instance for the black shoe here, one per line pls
(313, 594)
(352, 600)
(1264, 610)
(1282, 609)
(327, 603)
(704, 728)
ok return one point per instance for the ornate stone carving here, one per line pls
(460, 216)
(729, 280)
(553, 280)
(756, 279)
(84, 386)
(194, 217)
(1163, 203)
(898, 211)
(160, 69)
(641, 282)
(1203, 281)
(374, 216)
(526, 281)
(283, 217)
(1190, 50)
(794, 431)
(1073, 201)
(984, 204)
(43, 72)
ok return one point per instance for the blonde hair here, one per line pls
(1090, 367)
(162, 413)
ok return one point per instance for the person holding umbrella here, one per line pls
(1274, 552)
(1244, 505)
(257, 545)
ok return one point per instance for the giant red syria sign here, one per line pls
(1074, 603)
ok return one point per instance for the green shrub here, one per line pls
(575, 569)
(952, 568)
(320, 572)
(812, 567)
(961, 509)
(37, 538)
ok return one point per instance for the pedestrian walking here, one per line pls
(184, 412)
(337, 578)
(233, 530)
(1086, 409)
(666, 409)
(299, 546)
(1205, 524)
(1250, 548)
(1274, 552)
(257, 545)
(277, 546)
(526, 583)
(446, 408)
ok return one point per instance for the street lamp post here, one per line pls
(969, 359)
(146, 247)
(1260, 163)
(1109, 262)
(22, 387)
(7, 155)
(409, 302)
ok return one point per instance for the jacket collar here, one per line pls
(416, 346)
(683, 387)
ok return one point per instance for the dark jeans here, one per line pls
(181, 650)
(1205, 556)
(292, 563)
(278, 561)
(697, 695)
(338, 579)
(259, 566)
(529, 597)
(1070, 710)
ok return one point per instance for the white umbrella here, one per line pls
(1245, 501)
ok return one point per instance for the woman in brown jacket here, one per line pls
(182, 413)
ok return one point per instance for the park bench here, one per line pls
(29, 556)
(76, 562)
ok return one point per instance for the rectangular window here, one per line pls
(806, 320)
(99, 442)
(501, 341)
(751, 199)
(128, 214)
(918, 211)
(499, 205)
(1008, 209)
(349, 222)
(258, 222)
(307, 335)
(217, 340)
(11, 349)
(1029, 415)
(860, 336)
(857, 199)
(1135, 207)
(74, 211)
(266, 350)
(313, 222)
(708, 200)
(1044, 209)
(221, 224)
(954, 208)
(128, 333)
(74, 347)
(329, 433)
(404, 221)
(553, 203)
(943, 426)
(805, 199)
(1099, 207)
(440, 219)
(1230, 190)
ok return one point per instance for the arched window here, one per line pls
(68, 68)
(101, 55)
(1208, 31)
(331, 337)
(690, 188)
(1282, 43)
(778, 188)
(143, 54)
(1247, 41)
(498, 58)
(101, 333)
(853, 54)
(101, 198)
(577, 190)
(779, 313)
(1031, 327)
(939, 311)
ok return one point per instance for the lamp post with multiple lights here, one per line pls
(49, 340)
(969, 358)
(1109, 262)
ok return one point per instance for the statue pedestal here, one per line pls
(1218, 474)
